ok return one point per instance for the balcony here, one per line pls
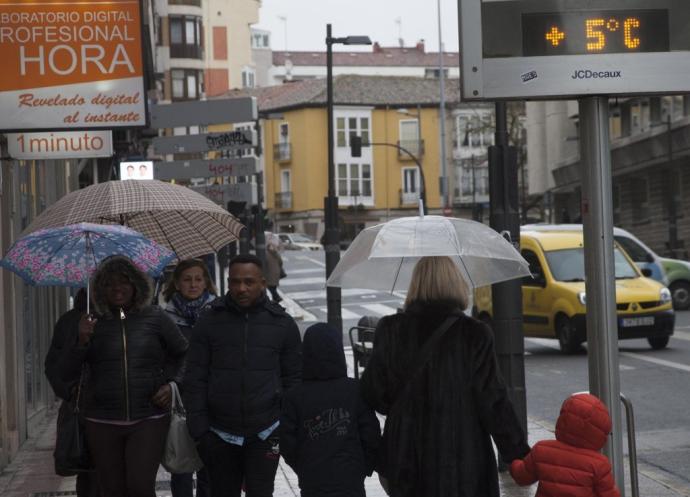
(184, 51)
(194, 3)
(415, 147)
(283, 200)
(408, 198)
(282, 152)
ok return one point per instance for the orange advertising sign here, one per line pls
(71, 64)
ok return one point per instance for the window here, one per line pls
(347, 127)
(474, 131)
(248, 78)
(353, 180)
(285, 181)
(410, 185)
(284, 133)
(537, 278)
(674, 187)
(639, 191)
(633, 249)
(185, 37)
(409, 131)
(186, 84)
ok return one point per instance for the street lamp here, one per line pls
(332, 235)
(417, 157)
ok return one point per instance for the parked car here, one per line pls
(299, 241)
(554, 299)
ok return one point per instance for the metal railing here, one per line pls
(632, 446)
(282, 152)
(184, 51)
(283, 200)
(409, 198)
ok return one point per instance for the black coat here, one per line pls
(239, 363)
(120, 389)
(437, 437)
(64, 337)
(129, 359)
(328, 434)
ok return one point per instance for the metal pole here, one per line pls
(597, 219)
(507, 296)
(259, 234)
(474, 190)
(670, 179)
(332, 235)
(442, 113)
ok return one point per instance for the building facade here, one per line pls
(398, 121)
(650, 147)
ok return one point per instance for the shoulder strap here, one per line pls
(430, 345)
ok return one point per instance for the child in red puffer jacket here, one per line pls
(572, 464)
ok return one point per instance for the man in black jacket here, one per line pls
(245, 352)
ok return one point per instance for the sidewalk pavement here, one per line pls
(31, 474)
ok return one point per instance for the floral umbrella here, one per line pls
(68, 255)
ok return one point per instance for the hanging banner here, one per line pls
(60, 145)
(69, 64)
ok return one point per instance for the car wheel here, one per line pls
(681, 295)
(658, 343)
(565, 331)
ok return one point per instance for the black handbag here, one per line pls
(71, 454)
(283, 274)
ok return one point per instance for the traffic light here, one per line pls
(355, 146)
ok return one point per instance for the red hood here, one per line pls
(584, 422)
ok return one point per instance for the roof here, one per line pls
(555, 240)
(355, 90)
(379, 56)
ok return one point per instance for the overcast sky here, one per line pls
(306, 22)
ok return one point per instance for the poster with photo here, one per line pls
(136, 170)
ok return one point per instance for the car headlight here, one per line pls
(582, 297)
(665, 295)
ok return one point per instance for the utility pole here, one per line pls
(507, 296)
(671, 193)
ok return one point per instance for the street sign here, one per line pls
(550, 49)
(200, 168)
(60, 145)
(229, 140)
(204, 112)
(71, 65)
(222, 194)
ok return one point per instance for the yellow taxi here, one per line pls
(554, 299)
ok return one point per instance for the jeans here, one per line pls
(182, 485)
(228, 466)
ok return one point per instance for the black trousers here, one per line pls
(182, 484)
(254, 464)
(127, 457)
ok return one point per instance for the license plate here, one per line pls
(642, 321)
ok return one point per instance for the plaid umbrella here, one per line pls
(174, 216)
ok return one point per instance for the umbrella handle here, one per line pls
(88, 297)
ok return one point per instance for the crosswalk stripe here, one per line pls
(380, 309)
(315, 294)
(303, 281)
(307, 270)
(344, 312)
(305, 258)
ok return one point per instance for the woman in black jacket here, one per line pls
(441, 415)
(189, 292)
(127, 346)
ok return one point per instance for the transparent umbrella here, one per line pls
(382, 257)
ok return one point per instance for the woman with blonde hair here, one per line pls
(433, 372)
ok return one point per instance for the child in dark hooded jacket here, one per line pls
(572, 464)
(328, 435)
